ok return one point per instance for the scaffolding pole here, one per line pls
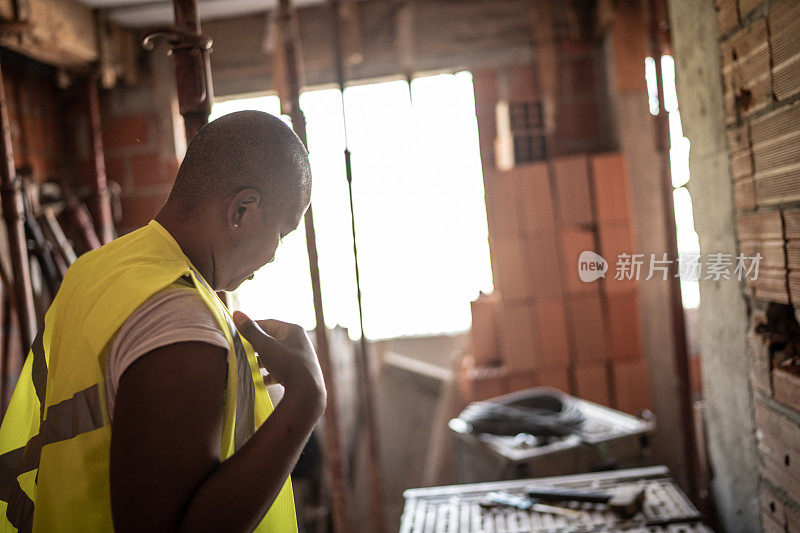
(366, 392)
(190, 50)
(192, 68)
(14, 215)
(290, 61)
(102, 198)
(659, 42)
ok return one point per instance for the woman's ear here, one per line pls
(241, 207)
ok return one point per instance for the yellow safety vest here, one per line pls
(56, 434)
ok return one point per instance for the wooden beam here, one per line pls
(466, 34)
(117, 50)
(62, 33)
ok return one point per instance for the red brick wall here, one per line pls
(50, 133)
(134, 157)
(760, 54)
(134, 137)
(34, 109)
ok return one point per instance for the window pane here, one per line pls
(419, 206)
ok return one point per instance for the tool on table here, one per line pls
(506, 499)
(624, 502)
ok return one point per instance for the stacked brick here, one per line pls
(762, 234)
(543, 326)
(760, 53)
(761, 75)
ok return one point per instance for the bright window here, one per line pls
(419, 205)
(688, 241)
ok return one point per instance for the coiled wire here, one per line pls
(538, 413)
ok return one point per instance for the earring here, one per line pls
(236, 226)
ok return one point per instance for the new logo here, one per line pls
(591, 266)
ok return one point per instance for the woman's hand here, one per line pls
(287, 354)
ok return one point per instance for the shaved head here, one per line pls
(245, 149)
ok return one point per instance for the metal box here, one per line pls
(609, 439)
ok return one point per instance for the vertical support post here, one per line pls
(190, 50)
(546, 66)
(291, 105)
(102, 207)
(403, 41)
(192, 68)
(659, 41)
(14, 213)
(366, 392)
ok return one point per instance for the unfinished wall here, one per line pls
(625, 45)
(760, 57)
(34, 110)
(609, 341)
(142, 138)
(50, 134)
(738, 87)
(544, 326)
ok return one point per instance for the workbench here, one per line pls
(457, 509)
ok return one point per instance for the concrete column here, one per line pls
(723, 310)
(625, 49)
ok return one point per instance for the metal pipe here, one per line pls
(5, 383)
(102, 212)
(659, 39)
(366, 392)
(190, 50)
(192, 68)
(14, 213)
(335, 458)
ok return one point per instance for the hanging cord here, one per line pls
(366, 392)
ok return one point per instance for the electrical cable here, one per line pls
(540, 413)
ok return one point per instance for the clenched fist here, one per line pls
(287, 354)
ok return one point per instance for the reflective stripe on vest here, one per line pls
(83, 413)
(64, 420)
(66, 486)
(67, 419)
(245, 392)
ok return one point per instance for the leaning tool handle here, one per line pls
(557, 494)
(38, 245)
